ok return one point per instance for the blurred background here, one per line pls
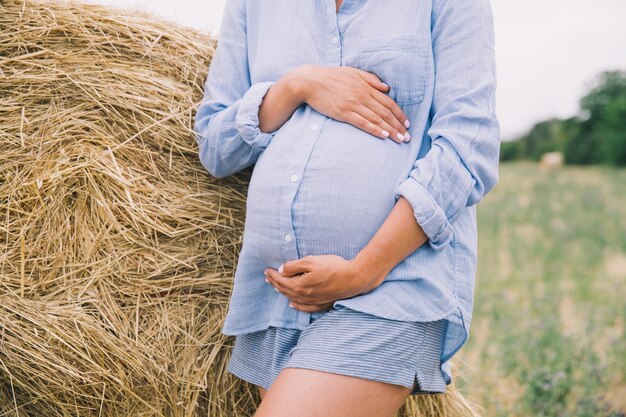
(547, 337)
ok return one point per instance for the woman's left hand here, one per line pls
(314, 282)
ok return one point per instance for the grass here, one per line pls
(547, 337)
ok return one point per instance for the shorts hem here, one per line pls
(246, 374)
(415, 387)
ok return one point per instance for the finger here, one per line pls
(376, 120)
(281, 283)
(388, 116)
(297, 288)
(373, 80)
(309, 308)
(390, 104)
(362, 123)
(379, 115)
(294, 267)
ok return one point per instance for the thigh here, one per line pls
(312, 393)
(262, 392)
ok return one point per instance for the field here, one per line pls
(547, 338)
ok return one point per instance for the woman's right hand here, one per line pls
(353, 96)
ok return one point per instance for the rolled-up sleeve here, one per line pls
(461, 166)
(226, 123)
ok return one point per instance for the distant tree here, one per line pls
(601, 135)
(547, 136)
(596, 135)
(511, 150)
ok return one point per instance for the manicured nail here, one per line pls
(265, 273)
(276, 289)
(266, 280)
(400, 136)
(407, 137)
(407, 124)
(291, 305)
(385, 84)
(385, 133)
(280, 269)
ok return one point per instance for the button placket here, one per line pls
(333, 54)
(293, 176)
(289, 250)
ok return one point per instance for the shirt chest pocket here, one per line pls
(401, 61)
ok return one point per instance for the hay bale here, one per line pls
(551, 160)
(117, 249)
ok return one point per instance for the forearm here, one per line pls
(281, 100)
(398, 237)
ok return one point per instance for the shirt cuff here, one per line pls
(247, 117)
(429, 215)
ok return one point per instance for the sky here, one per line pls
(548, 52)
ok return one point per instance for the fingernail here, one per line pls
(276, 289)
(385, 133)
(266, 280)
(407, 124)
(385, 84)
(400, 136)
(407, 137)
(280, 269)
(265, 273)
(291, 305)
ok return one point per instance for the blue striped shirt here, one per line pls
(323, 186)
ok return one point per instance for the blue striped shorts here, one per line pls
(347, 342)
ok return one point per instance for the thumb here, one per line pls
(293, 267)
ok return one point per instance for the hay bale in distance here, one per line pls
(551, 160)
(117, 249)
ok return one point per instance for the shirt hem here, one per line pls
(259, 327)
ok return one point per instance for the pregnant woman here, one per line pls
(373, 132)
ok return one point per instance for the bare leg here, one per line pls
(310, 393)
(262, 391)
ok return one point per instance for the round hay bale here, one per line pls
(117, 248)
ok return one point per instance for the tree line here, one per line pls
(596, 135)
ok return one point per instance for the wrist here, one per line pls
(298, 83)
(368, 268)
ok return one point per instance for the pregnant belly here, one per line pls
(345, 192)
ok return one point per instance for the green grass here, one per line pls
(547, 337)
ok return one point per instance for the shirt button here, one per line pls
(288, 237)
(314, 127)
(293, 178)
(335, 40)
